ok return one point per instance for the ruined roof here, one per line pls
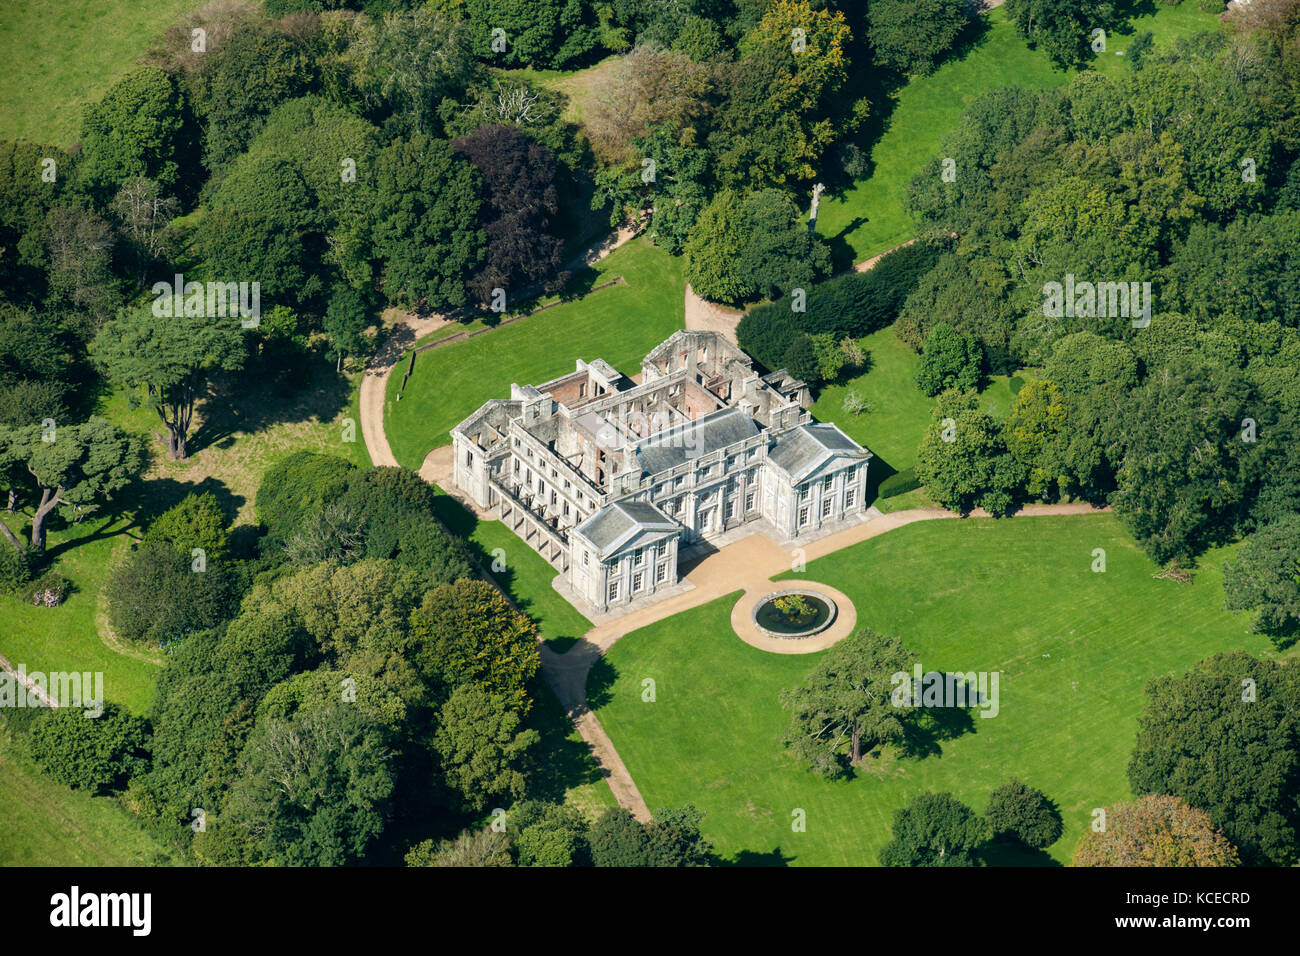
(616, 524)
(681, 443)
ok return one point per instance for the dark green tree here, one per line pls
(935, 829)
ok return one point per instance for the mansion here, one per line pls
(610, 478)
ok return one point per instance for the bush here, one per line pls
(1021, 812)
(899, 483)
(15, 568)
(88, 753)
(297, 486)
(49, 590)
(197, 522)
(949, 360)
(154, 596)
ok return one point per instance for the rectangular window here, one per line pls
(803, 517)
(661, 573)
(804, 491)
(850, 496)
(469, 459)
(749, 501)
(613, 590)
(586, 559)
(827, 504)
(729, 512)
(638, 558)
(638, 581)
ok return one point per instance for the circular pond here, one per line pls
(793, 614)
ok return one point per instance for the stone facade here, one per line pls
(608, 477)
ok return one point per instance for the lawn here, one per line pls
(68, 637)
(1074, 648)
(899, 412)
(870, 217)
(46, 824)
(619, 324)
(59, 57)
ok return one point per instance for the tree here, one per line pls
(617, 839)
(1025, 814)
(935, 829)
(89, 753)
(196, 522)
(1223, 737)
(743, 249)
(1155, 830)
(519, 207)
(139, 129)
(1181, 482)
(784, 103)
(949, 360)
(80, 467)
(313, 791)
(483, 752)
(240, 81)
(345, 321)
(845, 708)
(913, 35)
(425, 223)
(79, 252)
(34, 368)
(549, 834)
(156, 594)
(1035, 431)
(143, 214)
(295, 487)
(26, 196)
(406, 63)
(550, 34)
(674, 838)
(485, 847)
(1265, 577)
(467, 633)
(171, 356)
(714, 247)
(1063, 28)
(963, 460)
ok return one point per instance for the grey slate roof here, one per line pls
(615, 524)
(679, 444)
(803, 450)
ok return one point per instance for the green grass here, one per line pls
(67, 637)
(870, 216)
(47, 824)
(619, 324)
(1165, 24)
(1075, 649)
(899, 412)
(59, 57)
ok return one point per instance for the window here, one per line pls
(803, 517)
(729, 512)
(586, 559)
(850, 496)
(679, 481)
(661, 549)
(661, 573)
(638, 558)
(827, 504)
(638, 581)
(613, 590)
(516, 465)
(469, 459)
(804, 491)
(749, 501)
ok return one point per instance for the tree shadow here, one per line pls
(600, 680)
(1008, 851)
(930, 727)
(234, 404)
(773, 857)
(568, 759)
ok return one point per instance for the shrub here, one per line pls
(84, 753)
(154, 596)
(949, 360)
(297, 486)
(899, 483)
(1020, 811)
(49, 590)
(15, 568)
(197, 522)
